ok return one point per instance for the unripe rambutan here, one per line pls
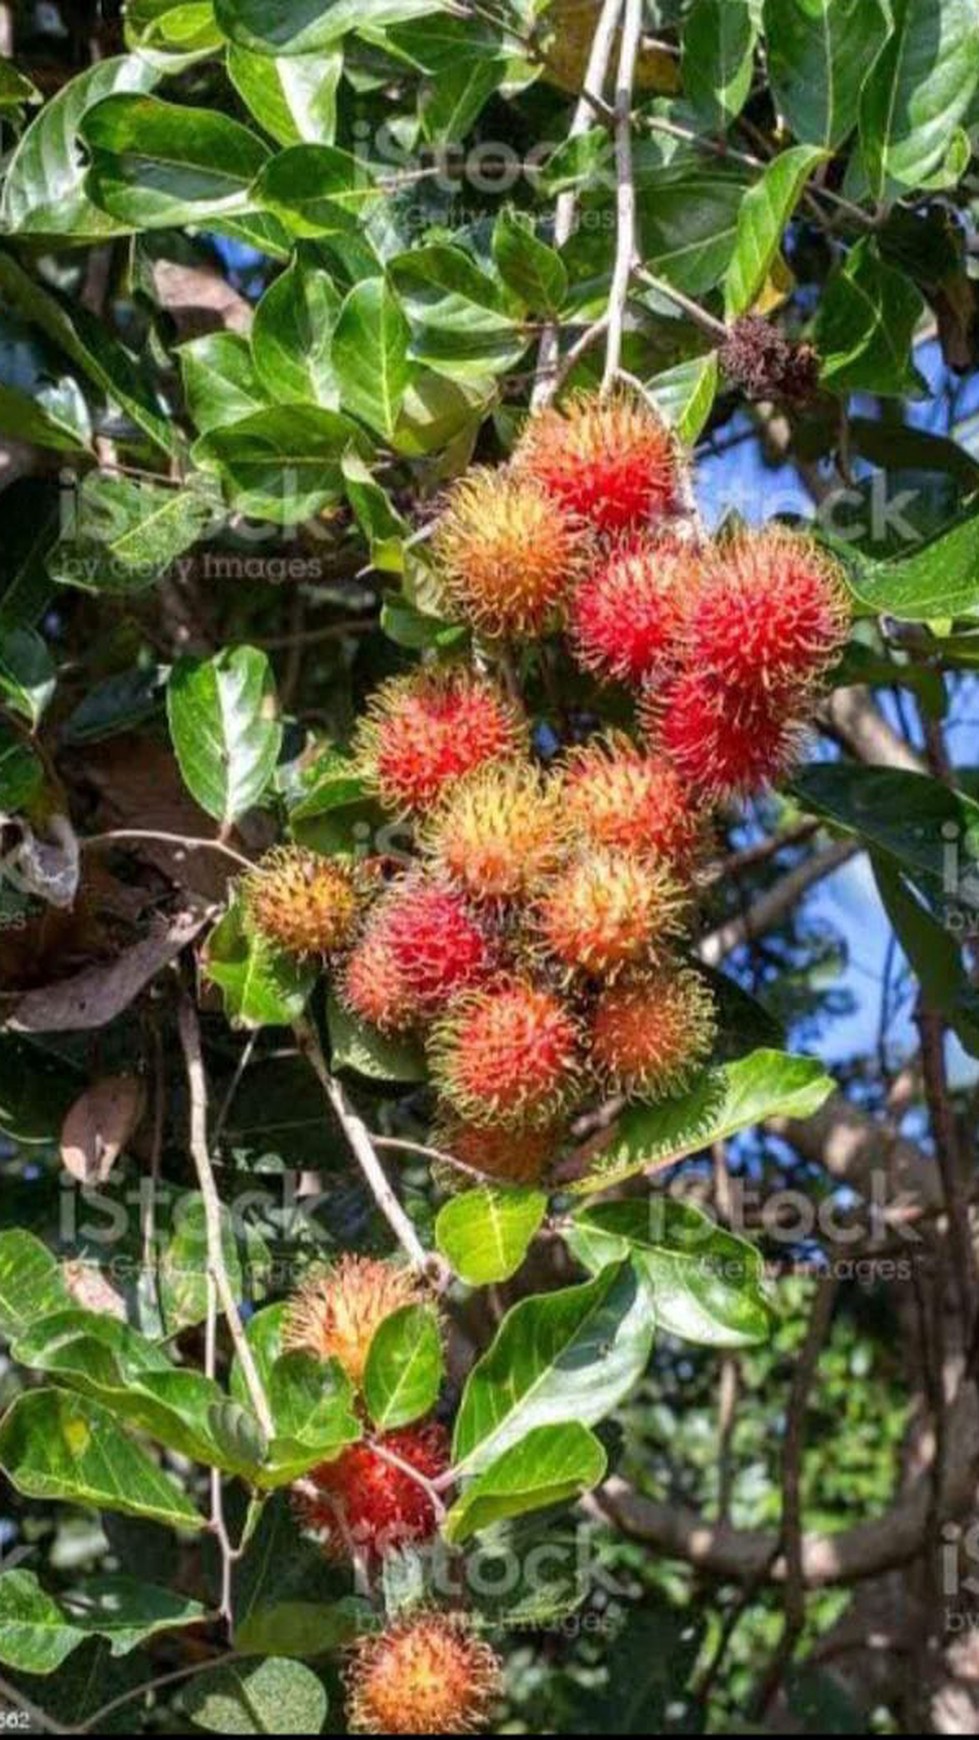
(499, 831)
(427, 1674)
(512, 1156)
(507, 1055)
(372, 984)
(301, 902)
(438, 947)
(508, 554)
(336, 1312)
(611, 462)
(618, 795)
(606, 910)
(627, 615)
(724, 745)
(364, 1504)
(424, 731)
(650, 1035)
(771, 616)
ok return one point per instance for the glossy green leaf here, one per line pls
(21, 772)
(316, 190)
(27, 674)
(404, 1367)
(302, 27)
(221, 384)
(707, 1285)
(765, 212)
(293, 97)
(819, 53)
(175, 28)
(735, 1096)
(917, 91)
(291, 336)
(685, 394)
(920, 821)
(262, 986)
(275, 1696)
(551, 1465)
(225, 728)
(569, 1355)
(123, 534)
(183, 1283)
(934, 954)
(282, 464)
(459, 318)
(369, 353)
(36, 1634)
(156, 165)
(55, 1445)
(865, 327)
(361, 1048)
(687, 219)
(938, 579)
(533, 271)
(486, 1233)
(718, 53)
(31, 1281)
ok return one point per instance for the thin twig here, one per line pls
(37, 1716)
(185, 842)
(708, 323)
(184, 1673)
(625, 191)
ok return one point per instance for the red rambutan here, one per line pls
(613, 463)
(301, 902)
(499, 831)
(618, 795)
(649, 1036)
(627, 615)
(606, 910)
(508, 554)
(364, 1504)
(724, 745)
(427, 1674)
(424, 731)
(336, 1312)
(771, 616)
(507, 1055)
(372, 983)
(437, 946)
(512, 1156)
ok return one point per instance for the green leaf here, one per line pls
(933, 954)
(44, 189)
(221, 384)
(685, 394)
(551, 1465)
(404, 1368)
(36, 1634)
(21, 772)
(327, 781)
(534, 271)
(275, 1696)
(294, 98)
(918, 820)
(819, 53)
(707, 1285)
(765, 212)
(302, 1628)
(27, 586)
(183, 1281)
(866, 325)
(718, 54)
(123, 534)
(282, 464)
(291, 336)
(158, 165)
(570, 1355)
(485, 1233)
(176, 28)
(688, 218)
(377, 517)
(15, 88)
(27, 674)
(917, 91)
(939, 578)
(284, 1593)
(312, 1407)
(263, 987)
(460, 323)
(316, 190)
(732, 1097)
(369, 353)
(31, 1282)
(54, 1445)
(224, 723)
(302, 27)
(361, 1048)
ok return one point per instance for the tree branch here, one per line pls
(625, 192)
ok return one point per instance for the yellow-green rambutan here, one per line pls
(650, 1034)
(336, 1312)
(508, 554)
(606, 910)
(499, 831)
(302, 902)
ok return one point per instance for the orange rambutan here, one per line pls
(771, 616)
(436, 944)
(618, 795)
(507, 1054)
(301, 902)
(508, 554)
(336, 1312)
(628, 614)
(499, 831)
(650, 1035)
(726, 745)
(366, 1503)
(424, 731)
(512, 1156)
(372, 984)
(613, 463)
(606, 910)
(426, 1674)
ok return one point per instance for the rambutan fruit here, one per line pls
(618, 795)
(726, 746)
(336, 1312)
(424, 731)
(613, 463)
(627, 615)
(372, 984)
(606, 910)
(499, 831)
(364, 1504)
(650, 1034)
(437, 945)
(507, 1055)
(301, 902)
(508, 554)
(511, 1156)
(771, 616)
(426, 1674)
